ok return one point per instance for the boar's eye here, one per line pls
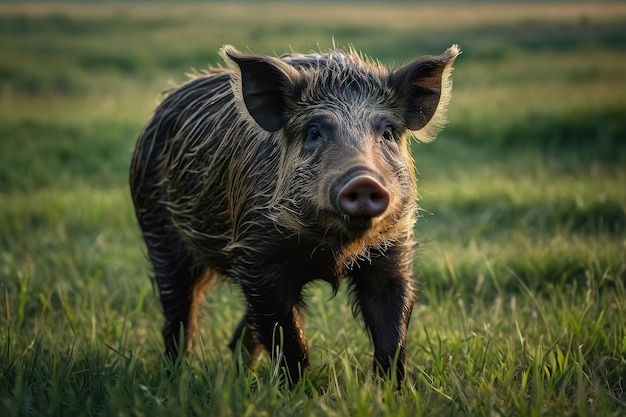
(388, 133)
(313, 133)
(314, 138)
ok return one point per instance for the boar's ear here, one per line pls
(423, 87)
(264, 85)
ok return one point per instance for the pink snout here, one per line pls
(363, 196)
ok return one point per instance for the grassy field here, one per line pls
(522, 267)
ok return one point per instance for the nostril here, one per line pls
(352, 196)
(376, 196)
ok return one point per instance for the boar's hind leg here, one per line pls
(384, 295)
(182, 287)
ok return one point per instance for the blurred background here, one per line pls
(524, 189)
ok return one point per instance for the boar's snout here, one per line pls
(363, 196)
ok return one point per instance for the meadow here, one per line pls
(522, 264)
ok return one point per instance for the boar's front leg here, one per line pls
(274, 315)
(384, 295)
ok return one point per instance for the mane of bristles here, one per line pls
(341, 79)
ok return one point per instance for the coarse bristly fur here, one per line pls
(276, 171)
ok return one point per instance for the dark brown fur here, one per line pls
(247, 172)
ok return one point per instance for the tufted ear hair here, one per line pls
(264, 85)
(424, 87)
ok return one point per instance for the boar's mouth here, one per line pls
(356, 223)
(335, 225)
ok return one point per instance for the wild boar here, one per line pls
(276, 171)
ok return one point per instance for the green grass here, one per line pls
(522, 264)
